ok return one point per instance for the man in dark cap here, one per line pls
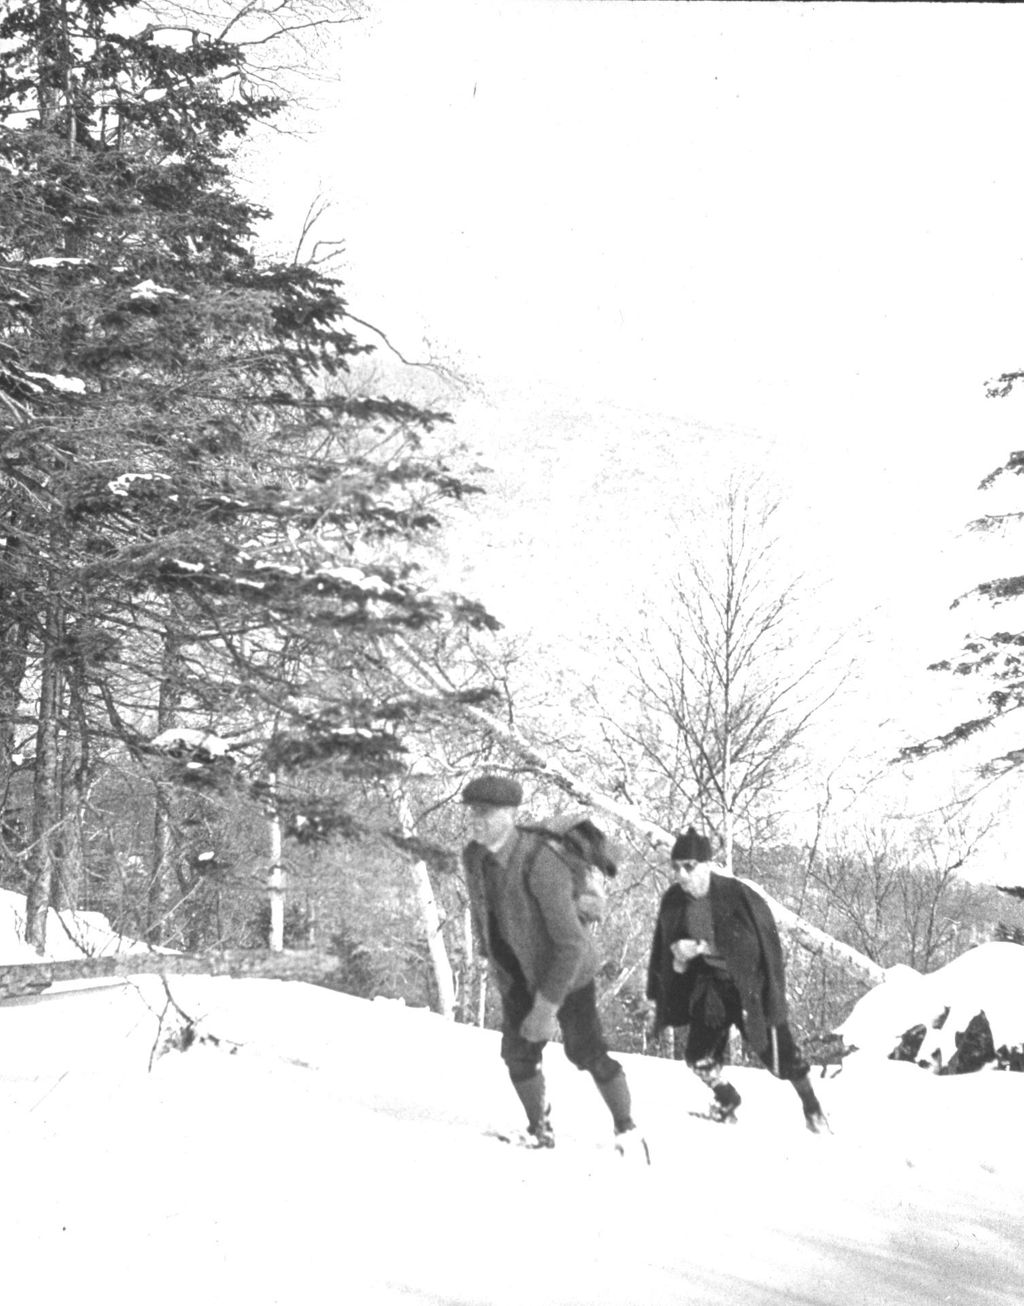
(716, 962)
(542, 956)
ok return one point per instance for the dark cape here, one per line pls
(747, 943)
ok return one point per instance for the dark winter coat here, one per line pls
(746, 940)
(523, 899)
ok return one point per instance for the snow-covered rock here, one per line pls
(988, 979)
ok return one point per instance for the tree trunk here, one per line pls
(52, 60)
(431, 919)
(45, 796)
(727, 815)
(467, 989)
(68, 865)
(164, 841)
(13, 660)
(481, 998)
(275, 878)
(429, 914)
(163, 854)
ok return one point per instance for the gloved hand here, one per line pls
(540, 1025)
(685, 950)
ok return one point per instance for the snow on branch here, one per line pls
(150, 290)
(64, 384)
(54, 262)
(181, 741)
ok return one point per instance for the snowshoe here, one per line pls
(722, 1109)
(522, 1138)
(717, 1113)
(632, 1146)
(538, 1135)
(541, 1132)
(817, 1122)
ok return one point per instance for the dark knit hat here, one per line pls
(691, 847)
(493, 791)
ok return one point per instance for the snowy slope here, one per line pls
(328, 1149)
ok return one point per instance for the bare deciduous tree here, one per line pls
(723, 681)
(896, 894)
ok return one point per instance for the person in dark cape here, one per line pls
(716, 963)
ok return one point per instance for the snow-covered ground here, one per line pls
(329, 1149)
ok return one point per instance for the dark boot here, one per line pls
(629, 1142)
(615, 1092)
(542, 1132)
(533, 1096)
(814, 1117)
(727, 1099)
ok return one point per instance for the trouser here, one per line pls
(715, 1008)
(584, 1044)
(706, 1047)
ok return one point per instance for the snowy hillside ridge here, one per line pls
(70, 935)
(987, 980)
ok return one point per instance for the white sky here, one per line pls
(796, 224)
(668, 238)
(778, 215)
(332, 1149)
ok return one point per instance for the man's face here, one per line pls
(693, 877)
(489, 825)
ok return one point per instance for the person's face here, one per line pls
(693, 877)
(489, 825)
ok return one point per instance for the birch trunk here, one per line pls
(467, 989)
(164, 841)
(275, 879)
(481, 1000)
(429, 914)
(727, 794)
(629, 815)
(727, 798)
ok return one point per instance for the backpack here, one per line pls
(582, 847)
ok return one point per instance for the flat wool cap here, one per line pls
(691, 847)
(493, 791)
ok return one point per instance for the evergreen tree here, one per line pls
(206, 534)
(998, 657)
